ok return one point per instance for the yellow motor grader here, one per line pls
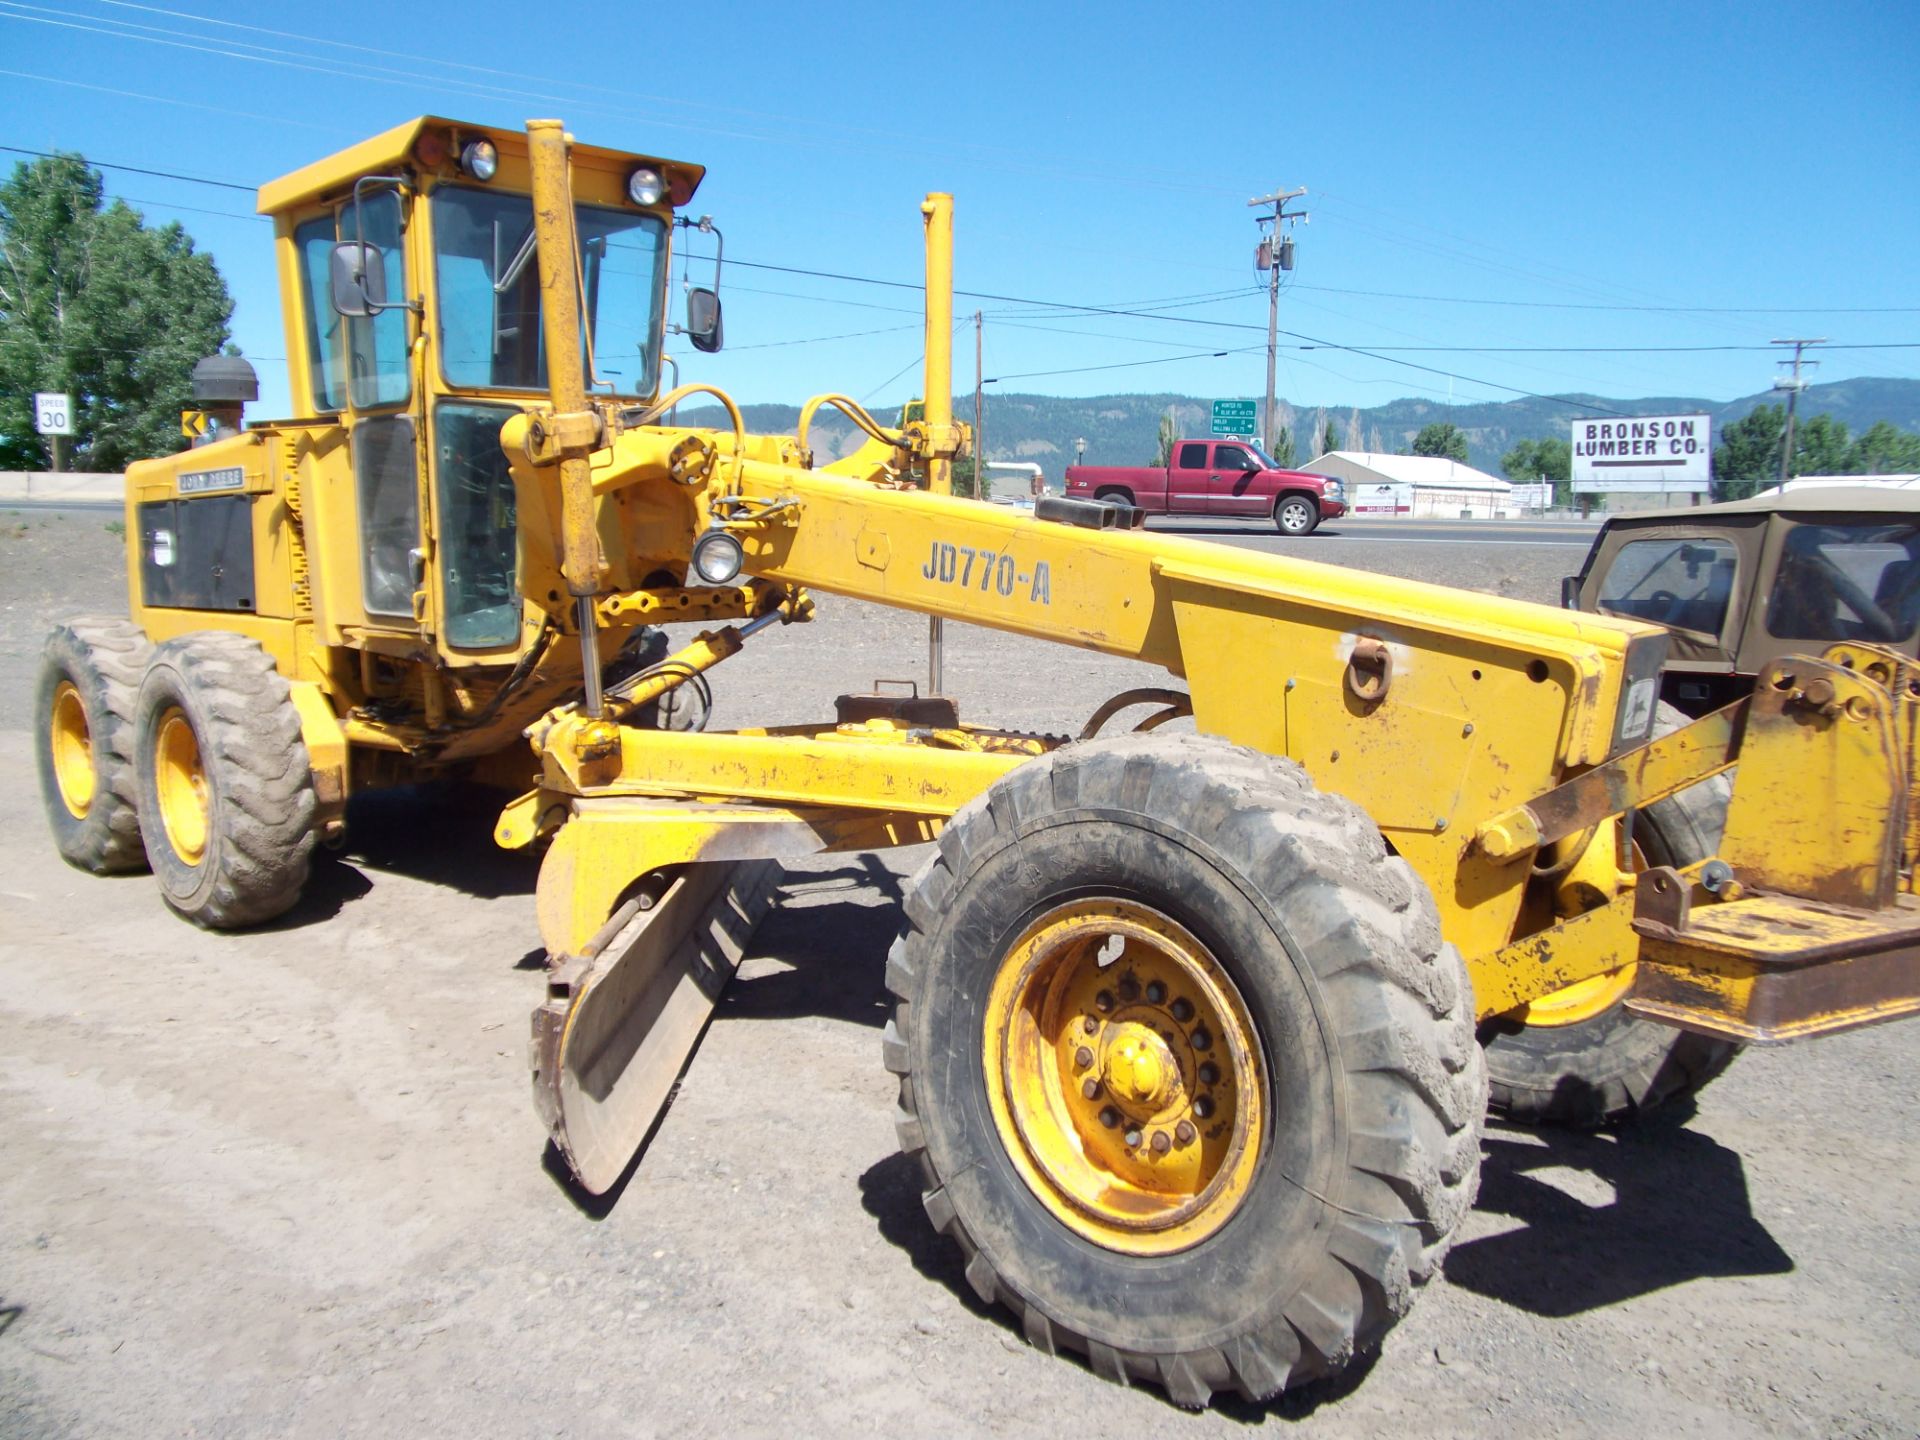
(1192, 1030)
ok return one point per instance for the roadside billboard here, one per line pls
(1380, 499)
(1643, 454)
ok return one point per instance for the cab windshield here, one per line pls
(489, 290)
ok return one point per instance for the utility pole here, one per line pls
(1793, 385)
(980, 489)
(1274, 255)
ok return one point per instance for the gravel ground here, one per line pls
(288, 1182)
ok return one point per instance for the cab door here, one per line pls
(1189, 478)
(362, 370)
(1231, 487)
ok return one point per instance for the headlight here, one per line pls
(645, 186)
(479, 159)
(1337, 489)
(717, 557)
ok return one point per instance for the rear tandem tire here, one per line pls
(1338, 1193)
(1616, 1066)
(225, 785)
(1295, 515)
(83, 734)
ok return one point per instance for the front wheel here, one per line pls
(1296, 515)
(1187, 1071)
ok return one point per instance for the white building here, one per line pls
(1824, 482)
(1417, 486)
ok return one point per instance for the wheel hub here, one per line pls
(1124, 1076)
(1138, 1068)
(182, 786)
(72, 742)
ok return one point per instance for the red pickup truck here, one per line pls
(1216, 477)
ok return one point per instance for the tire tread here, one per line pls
(1416, 1081)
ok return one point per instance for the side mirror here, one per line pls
(703, 320)
(358, 279)
(1570, 592)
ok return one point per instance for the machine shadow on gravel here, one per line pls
(1680, 1212)
(442, 834)
(837, 948)
(438, 833)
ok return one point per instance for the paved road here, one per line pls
(1576, 533)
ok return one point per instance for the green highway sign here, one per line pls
(1235, 417)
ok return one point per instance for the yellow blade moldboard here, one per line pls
(619, 1024)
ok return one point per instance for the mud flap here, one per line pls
(621, 1020)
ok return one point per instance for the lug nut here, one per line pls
(1209, 1073)
(1090, 1025)
(1129, 988)
(1104, 1000)
(1203, 1106)
(1156, 992)
(1202, 1040)
(1160, 1142)
(1133, 1139)
(1109, 1117)
(1083, 1057)
(1184, 1132)
(1092, 1091)
(1183, 1010)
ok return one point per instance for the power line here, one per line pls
(1386, 354)
(1128, 364)
(134, 169)
(1637, 309)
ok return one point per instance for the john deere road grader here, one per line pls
(1192, 1030)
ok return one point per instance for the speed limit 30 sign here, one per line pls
(52, 412)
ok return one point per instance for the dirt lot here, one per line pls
(290, 1182)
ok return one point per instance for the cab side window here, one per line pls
(1232, 457)
(361, 361)
(1847, 582)
(1192, 457)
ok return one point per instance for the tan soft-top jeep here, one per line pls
(1746, 582)
(1738, 586)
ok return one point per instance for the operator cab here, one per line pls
(415, 323)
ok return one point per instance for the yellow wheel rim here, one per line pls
(73, 769)
(1124, 1076)
(1581, 1000)
(182, 786)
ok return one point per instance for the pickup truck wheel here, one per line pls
(1586, 1060)
(1187, 1071)
(1296, 515)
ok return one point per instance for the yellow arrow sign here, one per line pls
(193, 423)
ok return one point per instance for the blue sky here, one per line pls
(1606, 178)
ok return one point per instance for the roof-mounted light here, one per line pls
(645, 186)
(479, 159)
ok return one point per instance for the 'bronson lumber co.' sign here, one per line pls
(1646, 453)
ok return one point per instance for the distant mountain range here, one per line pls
(1124, 429)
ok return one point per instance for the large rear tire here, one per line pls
(83, 733)
(1611, 1065)
(1283, 1132)
(225, 785)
